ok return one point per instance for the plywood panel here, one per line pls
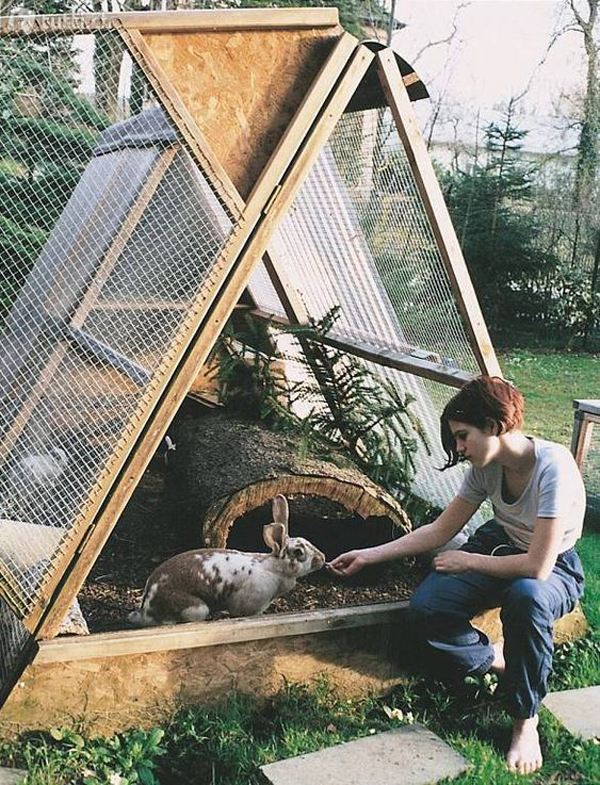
(108, 695)
(242, 89)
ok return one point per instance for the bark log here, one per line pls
(223, 468)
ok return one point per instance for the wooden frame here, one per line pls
(108, 682)
(254, 221)
(188, 21)
(74, 548)
(203, 634)
(266, 205)
(437, 212)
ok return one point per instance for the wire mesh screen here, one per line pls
(109, 235)
(590, 465)
(358, 236)
(14, 638)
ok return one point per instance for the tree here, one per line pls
(500, 233)
(47, 133)
(587, 153)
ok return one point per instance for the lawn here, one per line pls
(550, 382)
(225, 746)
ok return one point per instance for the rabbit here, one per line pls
(196, 584)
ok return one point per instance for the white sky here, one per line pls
(498, 45)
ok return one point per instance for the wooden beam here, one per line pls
(437, 212)
(286, 291)
(581, 439)
(174, 21)
(206, 320)
(213, 633)
(587, 414)
(417, 366)
(233, 19)
(589, 406)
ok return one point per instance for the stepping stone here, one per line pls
(411, 755)
(577, 710)
(12, 776)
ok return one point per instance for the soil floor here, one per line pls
(141, 540)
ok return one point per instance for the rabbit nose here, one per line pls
(318, 560)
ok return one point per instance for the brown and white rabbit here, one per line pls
(194, 585)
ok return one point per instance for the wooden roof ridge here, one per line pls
(174, 21)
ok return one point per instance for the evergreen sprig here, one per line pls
(349, 409)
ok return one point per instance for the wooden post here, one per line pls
(587, 414)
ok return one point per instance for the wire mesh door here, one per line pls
(109, 234)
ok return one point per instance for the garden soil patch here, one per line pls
(143, 539)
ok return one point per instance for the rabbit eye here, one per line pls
(299, 554)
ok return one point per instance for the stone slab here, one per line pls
(411, 755)
(577, 710)
(12, 776)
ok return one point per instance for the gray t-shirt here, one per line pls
(555, 490)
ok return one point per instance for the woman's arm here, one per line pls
(538, 562)
(425, 538)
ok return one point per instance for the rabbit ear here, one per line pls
(275, 537)
(281, 511)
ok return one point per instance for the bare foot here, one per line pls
(498, 664)
(524, 755)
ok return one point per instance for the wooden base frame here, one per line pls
(109, 682)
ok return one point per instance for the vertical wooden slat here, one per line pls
(581, 437)
(437, 212)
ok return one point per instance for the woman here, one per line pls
(522, 560)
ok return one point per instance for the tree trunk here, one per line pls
(587, 152)
(223, 468)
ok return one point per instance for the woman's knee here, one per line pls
(420, 606)
(526, 598)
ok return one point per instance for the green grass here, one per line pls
(550, 382)
(226, 745)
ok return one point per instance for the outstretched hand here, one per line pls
(347, 564)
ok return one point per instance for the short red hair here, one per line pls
(483, 399)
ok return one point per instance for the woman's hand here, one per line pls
(349, 563)
(453, 561)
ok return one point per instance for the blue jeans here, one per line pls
(444, 604)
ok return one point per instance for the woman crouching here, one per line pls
(522, 560)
